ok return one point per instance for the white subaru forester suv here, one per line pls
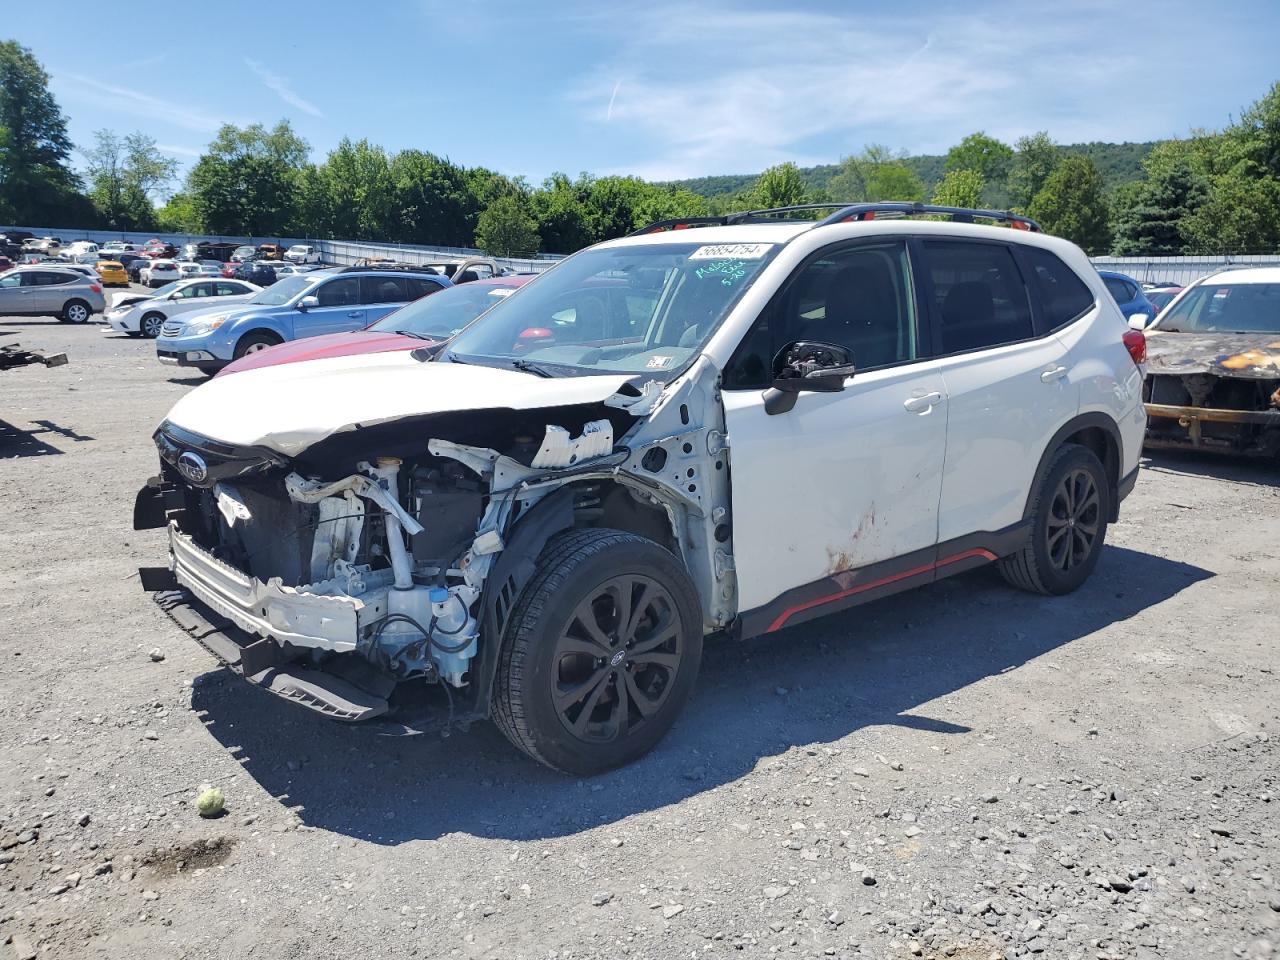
(714, 426)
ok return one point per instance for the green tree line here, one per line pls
(1211, 192)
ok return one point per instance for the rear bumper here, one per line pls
(1249, 432)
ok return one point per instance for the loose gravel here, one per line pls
(964, 771)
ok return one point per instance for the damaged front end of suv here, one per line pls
(384, 555)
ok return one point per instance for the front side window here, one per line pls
(1063, 295)
(283, 292)
(12, 280)
(587, 314)
(979, 297)
(1226, 308)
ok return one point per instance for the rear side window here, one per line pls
(383, 290)
(1118, 289)
(1063, 295)
(48, 279)
(339, 293)
(980, 299)
(419, 288)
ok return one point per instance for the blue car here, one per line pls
(1128, 295)
(337, 300)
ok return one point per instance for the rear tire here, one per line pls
(253, 342)
(1068, 525)
(600, 654)
(149, 326)
(76, 311)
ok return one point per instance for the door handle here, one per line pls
(917, 404)
(1052, 374)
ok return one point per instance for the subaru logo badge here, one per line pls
(193, 467)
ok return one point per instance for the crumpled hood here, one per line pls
(325, 346)
(288, 408)
(1252, 356)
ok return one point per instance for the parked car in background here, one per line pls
(243, 253)
(553, 522)
(302, 253)
(112, 273)
(256, 272)
(323, 301)
(113, 247)
(144, 316)
(134, 267)
(290, 269)
(81, 251)
(423, 322)
(51, 291)
(11, 242)
(46, 246)
(159, 249)
(1161, 296)
(1213, 366)
(188, 269)
(159, 272)
(270, 251)
(210, 268)
(1127, 293)
(5, 264)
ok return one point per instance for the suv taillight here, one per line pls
(1135, 341)
(95, 288)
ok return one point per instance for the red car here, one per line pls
(433, 318)
(5, 264)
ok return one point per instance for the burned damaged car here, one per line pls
(1213, 359)
(722, 426)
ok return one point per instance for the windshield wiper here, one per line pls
(415, 334)
(528, 366)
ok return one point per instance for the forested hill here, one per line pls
(1117, 162)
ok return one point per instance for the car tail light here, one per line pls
(95, 288)
(1135, 341)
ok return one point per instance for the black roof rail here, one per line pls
(408, 267)
(772, 213)
(868, 211)
(679, 223)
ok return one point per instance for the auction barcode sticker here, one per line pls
(735, 251)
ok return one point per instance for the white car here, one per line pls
(160, 272)
(145, 315)
(210, 268)
(302, 253)
(112, 247)
(726, 426)
(82, 251)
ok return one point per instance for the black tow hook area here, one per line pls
(156, 504)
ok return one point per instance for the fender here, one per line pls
(1077, 423)
(513, 569)
(237, 327)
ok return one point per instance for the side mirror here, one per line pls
(807, 366)
(1139, 321)
(308, 303)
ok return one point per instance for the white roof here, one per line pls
(1244, 275)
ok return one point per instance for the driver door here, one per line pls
(339, 311)
(836, 500)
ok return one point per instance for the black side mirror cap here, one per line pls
(807, 366)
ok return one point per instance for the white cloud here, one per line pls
(179, 150)
(141, 104)
(283, 89)
(712, 89)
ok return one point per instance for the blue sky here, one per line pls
(663, 88)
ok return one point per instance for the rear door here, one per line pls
(48, 290)
(339, 311)
(1008, 382)
(382, 294)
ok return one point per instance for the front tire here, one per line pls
(76, 311)
(149, 326)
(600, 654)
(253, 342)
(1068, 525)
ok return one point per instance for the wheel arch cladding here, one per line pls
(1097, 433)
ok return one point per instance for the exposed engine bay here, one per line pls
(394, 552)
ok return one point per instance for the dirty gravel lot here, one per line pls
(963, 771)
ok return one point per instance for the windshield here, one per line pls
(1226, 308)
(441, 315)
(630, 309)
(283, 291)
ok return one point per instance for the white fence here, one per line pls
(341, 252)
(1180, 270)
